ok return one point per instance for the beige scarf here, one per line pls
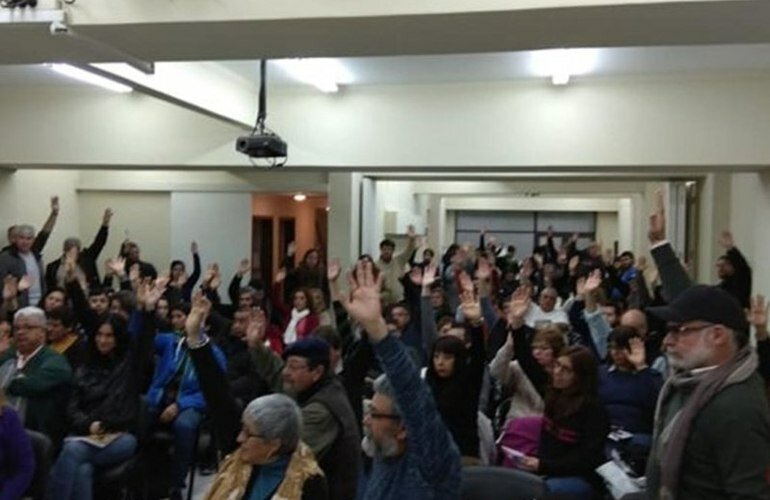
(233, 478)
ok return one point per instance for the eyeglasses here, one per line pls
(678, 331)
(378, 415)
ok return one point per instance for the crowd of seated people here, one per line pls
(386, 384)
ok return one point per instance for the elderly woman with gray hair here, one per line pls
(266, 458)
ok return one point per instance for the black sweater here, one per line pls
(575, 445)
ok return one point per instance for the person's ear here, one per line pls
(721, 335)
(401, 432)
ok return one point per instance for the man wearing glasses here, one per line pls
(35, 377)
(712, 424)
(414, 455)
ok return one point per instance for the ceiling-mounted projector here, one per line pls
(262, 146)
(262, 142)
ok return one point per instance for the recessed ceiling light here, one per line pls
(561, 64)
(300, 197)
(325, 74)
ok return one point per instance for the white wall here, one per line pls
(219, 222)
(142, 217)
(611, 123)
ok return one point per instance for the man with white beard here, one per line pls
(414, 455)
(712, 423)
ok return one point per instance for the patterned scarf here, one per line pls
(670, 437)
(232, 481)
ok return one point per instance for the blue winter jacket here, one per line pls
(171, 351)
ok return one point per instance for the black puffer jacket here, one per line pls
(106, 387)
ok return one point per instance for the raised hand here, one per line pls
(244, 267)
(641, 264)
(55, 205)
(193, 247)
(116, 266)
(291, 249)
(593, 282)
(410, 232)
(255, 332)
(470, 306)
(216, 279)
(758, 316)
(573, 264)
(656, 229)
(580, 286)
(199, 310)
(156, 291)
(363, 302)
(333, 270)
(10, 288)
(519, 304)
(726, 240)
(24, 283)
(636, 353)
(429, 275)
(107, 217)
(280, 276)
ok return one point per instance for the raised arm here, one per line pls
(96, 246)
(427, 433)
(213, 382)
(188, 286)
(42, 236)
(403, 258)
(673, 275)
(593, 316)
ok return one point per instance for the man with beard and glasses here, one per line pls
(712, 423)
(414, 454)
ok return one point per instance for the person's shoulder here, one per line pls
(741, 402)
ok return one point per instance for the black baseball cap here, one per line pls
(704, 303)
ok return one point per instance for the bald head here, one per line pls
(635, 319)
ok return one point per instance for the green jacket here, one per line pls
(727, 455)
(45, 383)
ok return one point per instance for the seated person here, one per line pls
(174, 398)
(266, 457)
(574, 430)
(36, 379)
(64, 339)
(628, 388)
(17, 460)
(103, 409)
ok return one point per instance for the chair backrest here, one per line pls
(43, 450)
(493, 483)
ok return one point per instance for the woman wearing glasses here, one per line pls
(574, 429)
(266, 457)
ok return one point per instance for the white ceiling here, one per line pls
(611, 62)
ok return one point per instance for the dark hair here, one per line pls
(176, 263)
(184, 307)
(307, 253)
(443, 321)
(63, 314)
(454, 346)
(120, 331)
(330, 335)
(562, 403)
(367, 257)
(627, 253)
(622, 335)
(388, 243)
(126, 299)
(94, 291)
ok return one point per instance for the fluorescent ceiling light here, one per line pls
(323, 73)
(88, 77)
(300, 197)
(561, 64)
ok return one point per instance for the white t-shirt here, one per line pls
(35, 291)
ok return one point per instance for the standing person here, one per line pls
(711, 436)
(21, 261)
(392, 266)
(414, 454)
(180, 285)
(86, 257)
(733, 270)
